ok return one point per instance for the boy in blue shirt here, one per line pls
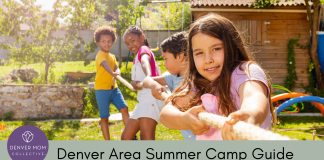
(174, 54)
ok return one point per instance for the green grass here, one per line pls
(67, 130)
(292, 122)
(59, 72)
(74, 130)
(58, 69)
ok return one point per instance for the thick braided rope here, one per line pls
(241, 130)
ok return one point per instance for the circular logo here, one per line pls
(27, 143)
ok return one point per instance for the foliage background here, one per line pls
(167, 16)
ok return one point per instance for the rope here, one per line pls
(241, 130)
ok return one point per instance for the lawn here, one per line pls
(296, 122)
(75, 130)
(59, 69)
(58, 75)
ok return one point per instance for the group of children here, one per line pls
(210, 59)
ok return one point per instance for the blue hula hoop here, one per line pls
(299, 99)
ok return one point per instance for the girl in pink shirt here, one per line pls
(147, 112)
(220, 69)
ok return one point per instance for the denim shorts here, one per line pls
(105, 97)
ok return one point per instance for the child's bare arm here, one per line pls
(145, 62)
(173, 118)
(108, 69)
(254, 106)
(160, 80)
(149, 81)
(155, 86)
(117, 70)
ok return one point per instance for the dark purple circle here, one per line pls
(27, 143)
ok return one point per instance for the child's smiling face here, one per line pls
(208, 55)
(134, 42)
(105, 43)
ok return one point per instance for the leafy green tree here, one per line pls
(126, 13)
(264, 3)
(41, 43)
(169, 16)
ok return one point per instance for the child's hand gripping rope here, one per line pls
(163, 94)
(239, 129)
(122, 80)
(139, 86)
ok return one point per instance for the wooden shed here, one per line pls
(267, 32)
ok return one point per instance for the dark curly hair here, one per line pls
(176, 44)
(105, 30)
(136, 30)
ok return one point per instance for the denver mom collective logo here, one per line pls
(27, 143)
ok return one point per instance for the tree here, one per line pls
(264, 3)
(169, 16)
(40, 43)
(126, 14)
(313, 22)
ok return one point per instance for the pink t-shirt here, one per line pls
(238, 77)
(146, 49)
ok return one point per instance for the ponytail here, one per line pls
(146, 43)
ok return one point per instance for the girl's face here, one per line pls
(171, 63)
(134, 42)
(208, 55)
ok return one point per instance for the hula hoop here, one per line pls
(294, 111)
(313, 99)
(294, 95)
(294, 107)
(287, 90)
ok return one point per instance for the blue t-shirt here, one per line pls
(173, 82)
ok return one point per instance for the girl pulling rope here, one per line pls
(221, 70)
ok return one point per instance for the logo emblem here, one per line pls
(27, 136)
(27, 143)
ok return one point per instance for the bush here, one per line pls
(91, 108)
(158, 57)
(1, 79)
(130, 58)
(40, 79)
(8, 115)
(83, 80)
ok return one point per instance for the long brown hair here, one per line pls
(235, 54)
